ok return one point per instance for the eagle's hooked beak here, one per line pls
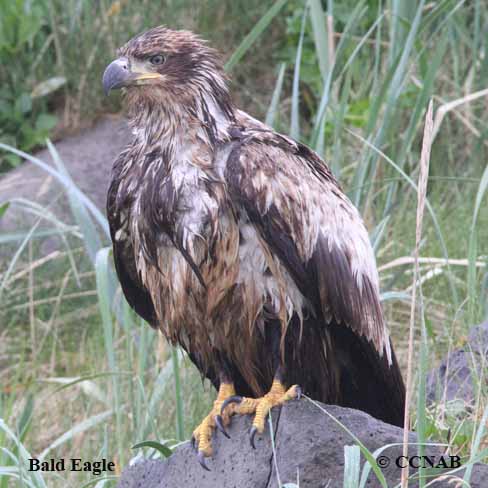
(118, 74)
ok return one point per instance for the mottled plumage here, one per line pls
(238, 242)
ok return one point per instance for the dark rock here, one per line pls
(309, 445)
(478, 338)
(456, 377)
(234, 464)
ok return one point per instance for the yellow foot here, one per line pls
(260, 407)
(202, 436)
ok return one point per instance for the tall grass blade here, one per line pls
(295, 97)
(317, 138)
(275, 100)
(364, 39)
(423, 372)
(104, 300)
(319, 23)
(141, 369)
(24, 421)
(378, 233)
(254, 34)
(67, 184)
(472, 250)
(16, 257)
(180, 418)
(23, 455)
(430, 209)
(394, 84)
(273, 449)
(161, 448)
(90, 235)
(364, 450)
(476, 445)
(44, 214)
(79, 428)
(352, 466)
(421, 200)
(88, 387)
(3, 208)
(160, 385)
(416, 116)
(100, 482)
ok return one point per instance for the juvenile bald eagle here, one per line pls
(239, 245)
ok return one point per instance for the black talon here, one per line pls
(201, 460)
(299, 392)
(220, 425)
(252, 435)
(228, 401)
(194, 443)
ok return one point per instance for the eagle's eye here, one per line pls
(157, 59)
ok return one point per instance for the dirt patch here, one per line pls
(308, 444)
(88, 157)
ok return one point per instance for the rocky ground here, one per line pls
(459, 374)
(309, 447)
(88, 157)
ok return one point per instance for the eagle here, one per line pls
(238, 243)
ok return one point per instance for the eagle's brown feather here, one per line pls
(300, 210)
(238, 242)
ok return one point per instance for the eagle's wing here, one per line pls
(134, 291)
(298, 208)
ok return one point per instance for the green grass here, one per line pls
(358, 94)
(53, 51)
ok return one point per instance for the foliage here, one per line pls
(24, 121)
(52, 54)
(359, 100)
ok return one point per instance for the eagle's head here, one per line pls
(174, 68)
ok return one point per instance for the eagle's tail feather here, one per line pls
(337, 366)
(367, 381)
